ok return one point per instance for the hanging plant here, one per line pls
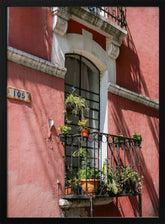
(74, 104)
(64, 131)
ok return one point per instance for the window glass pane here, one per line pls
(89, 76)
(89, 95)
(73, 65)
(91, 114)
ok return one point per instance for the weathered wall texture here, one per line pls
(138, 70)
(30, 30)
(125, 117)
(35, 159)
(138, 62)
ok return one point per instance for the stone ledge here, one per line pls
(34, 62)
(105, 26)
(78, 203)
(123, 92)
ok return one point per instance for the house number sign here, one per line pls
(18, 94)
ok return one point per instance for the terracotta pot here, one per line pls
(68, 190)
(90, 185)
(85, 132)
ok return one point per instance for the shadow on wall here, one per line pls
(52, 157)
(132, 72)
(103, 210)
(130, 67)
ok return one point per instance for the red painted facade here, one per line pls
(30, 30)
(35, 156)
(138, 62)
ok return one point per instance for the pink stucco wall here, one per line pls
(35, 160)
(138, 62)
(30, 30)
(138, 70)
(125, 117)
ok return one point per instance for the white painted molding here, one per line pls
(60, 21)
(34, 62)
(113, 51)
(60, 25)
(123, 92)
(98, 23)
(114, 33)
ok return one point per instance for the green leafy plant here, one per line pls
(78, 103)
(116, 181)
(105, 167)
(81, 152)
(83, 124)
(137, 136)
(118, 138)
(89, 173)
(129, 179)
(71, 179)
(108, 182)
(86, 171)
(64, 129)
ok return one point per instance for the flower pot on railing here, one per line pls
(85, 132)
(118, 140)
(68, 190)
(64, 132)
(138, 138)
(83, 128)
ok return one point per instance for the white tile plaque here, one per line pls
(18, 94)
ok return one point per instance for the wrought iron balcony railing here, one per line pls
(114, 14)
(102, 165)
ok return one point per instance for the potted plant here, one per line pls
(71, 184)
(71, 181)
(109, 184)
(83, 128)
(64, 131)
(89, 178)
(129, 179)
(118, 139)
(120, 180)
(75, 103)
(138, 137)
(81, 152)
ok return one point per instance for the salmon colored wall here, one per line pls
(35, 160)
(125, 116)
(138, 70)
(30, 30)
(138, 62)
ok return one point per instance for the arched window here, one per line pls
(83, 75)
